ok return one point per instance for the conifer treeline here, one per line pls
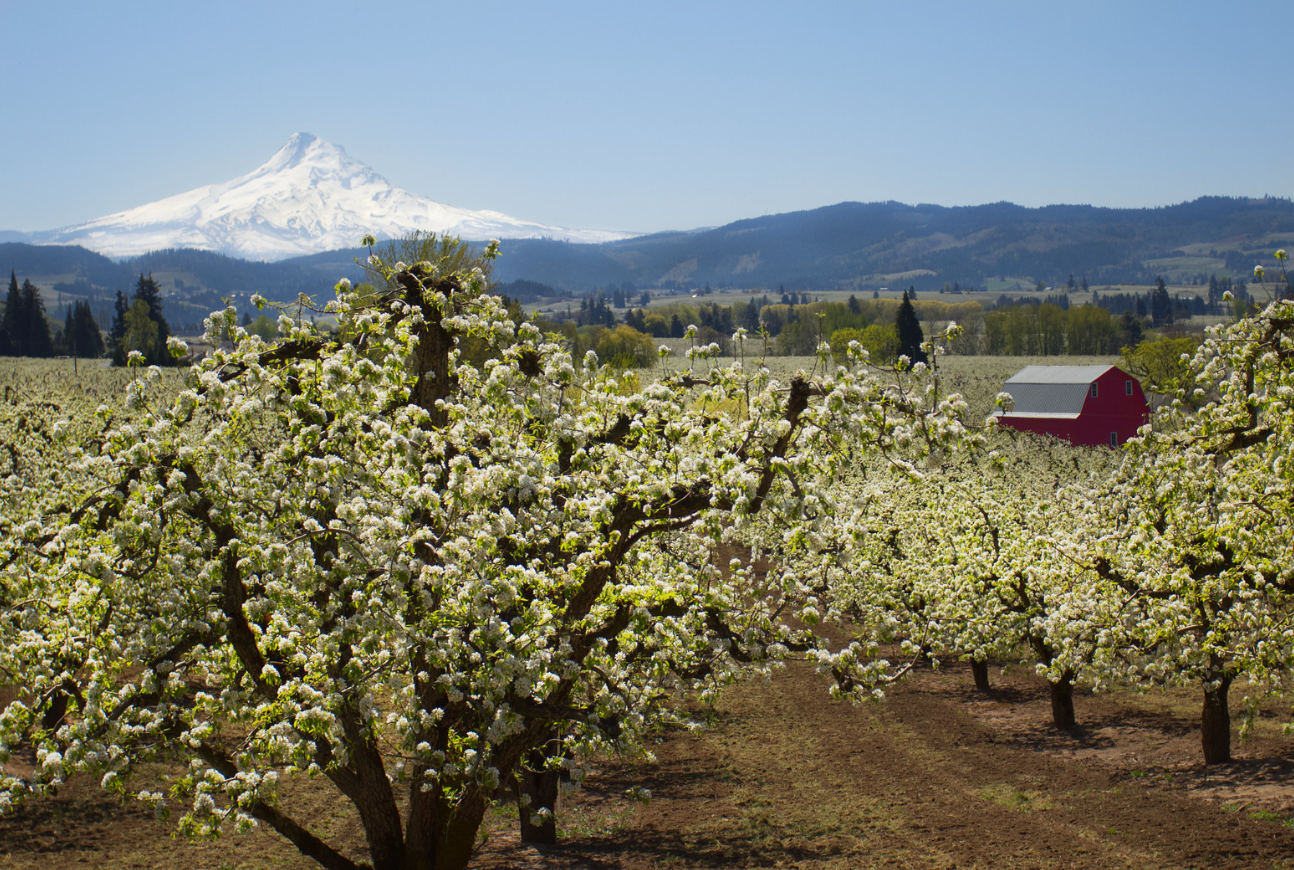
(81, 335)
(794, 328)
(24, 330)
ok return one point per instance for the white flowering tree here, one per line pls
(1200, 524)
(353, 558)
(977, 561)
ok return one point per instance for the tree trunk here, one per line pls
(456, 841)
(980, 671)
(541, 787)
(1215, 724)
(1062, 702)
(55, 712)
(431, 359)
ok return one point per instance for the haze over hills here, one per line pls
(290, 226)
(869, 245)
(309, 197)
(853, 246)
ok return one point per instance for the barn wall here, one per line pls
(1111, 410)
(1058, 427)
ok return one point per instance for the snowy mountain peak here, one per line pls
(297, 147)
(307, 148)
(311, 196)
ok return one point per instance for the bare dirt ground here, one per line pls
(937, 776)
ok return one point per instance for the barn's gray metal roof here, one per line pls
(1058, 374)
(1047, 390)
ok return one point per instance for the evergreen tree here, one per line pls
(1130, 331)
(117, 338)
(147, 291)
(1161, 305)
(81, 336)
(910, 334)
(24, 329)
(36, 328)
(9, 318)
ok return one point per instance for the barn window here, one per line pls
(1127, 387)
(1114, 439)
(1093, 389)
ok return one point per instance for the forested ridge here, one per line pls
(852, 245)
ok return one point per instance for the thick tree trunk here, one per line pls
(431, 359)
(1215, 724)
(55, 712)
(382, 828)
(541, 787)
(1062, 702)
(980, 671)
(457, 841)
(441, 832)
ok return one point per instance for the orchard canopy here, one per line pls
(355, 557)
(418, 575)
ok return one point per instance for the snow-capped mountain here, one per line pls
(309, 197)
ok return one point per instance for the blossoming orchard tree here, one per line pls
(348, 556)
(1200, 524)
(976, 562)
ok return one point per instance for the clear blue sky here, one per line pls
(651, 116)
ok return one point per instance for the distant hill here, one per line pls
(857, 246)
(869, 245)
(193, 283)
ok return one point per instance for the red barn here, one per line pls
(1086, 405)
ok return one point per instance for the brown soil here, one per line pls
(935, 777)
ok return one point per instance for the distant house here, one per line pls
(1087, 405)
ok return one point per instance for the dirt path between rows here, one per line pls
(936, 777)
